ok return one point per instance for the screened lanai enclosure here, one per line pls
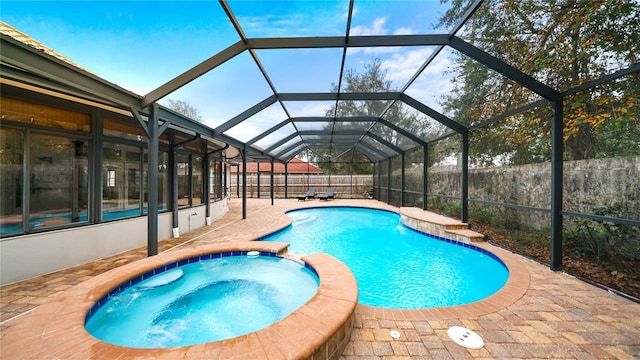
(518, 117)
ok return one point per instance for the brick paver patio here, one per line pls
(557, 317)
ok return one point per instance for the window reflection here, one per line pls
(121, 181)
(216, 180)
(162, 182)
(190, 181)
(183, 179)
(42, 115)
(11, 180)
(58, 181)
(197, 182)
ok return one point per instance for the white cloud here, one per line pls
(401, 66)
(433, 83)
(311, 108)
(271, 25)
(273, 115)
(403, 31)
(257, 124)
(376, 28)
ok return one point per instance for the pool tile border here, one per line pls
(321, 328)
(459, 243)
(516, 286)
(137, 279)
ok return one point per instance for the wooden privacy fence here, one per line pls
(345, 186)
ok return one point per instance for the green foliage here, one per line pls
(448, 207)
(185, 108)
(374, 79)
(342, 164)
(499, 217)
(563, 44)
(452, 208)
(604, 241)
(483, 215)
(530, 237)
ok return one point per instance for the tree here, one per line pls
(372, 80)
(183, 107)
(562, 43)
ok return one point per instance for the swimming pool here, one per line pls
(395, 266)
(202, 300)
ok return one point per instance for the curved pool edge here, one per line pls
(516, 286)
(321, 327)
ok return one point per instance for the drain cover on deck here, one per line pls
(465, 337)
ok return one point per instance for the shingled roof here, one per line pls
(296, 166)
(28, 40)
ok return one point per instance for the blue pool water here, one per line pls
(38, 222)
(203, 301)
(395, 266)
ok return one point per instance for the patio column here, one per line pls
(207, 185)
(402, 180)
(425, 176)
(96, 191)
(464, 197)
(351, 179)
(152, 181)
(378, 192)
(286, 180)
(238, 181)
(389, 181)
(258, 168)
(223, 169)
(174, 187)
(271, 180)
(244, 183)
(557, 152)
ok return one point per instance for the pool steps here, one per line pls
(438, 225)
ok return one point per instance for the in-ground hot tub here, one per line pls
(202, 299)
(321, 327)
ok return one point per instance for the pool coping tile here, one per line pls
(532, 292)
(57, 327)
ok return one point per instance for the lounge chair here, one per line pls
(311, 194)
(328, 195)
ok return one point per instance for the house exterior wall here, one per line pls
(24, 257)
(40, 238)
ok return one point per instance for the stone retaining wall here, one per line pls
(588, 184)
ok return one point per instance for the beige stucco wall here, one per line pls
(27, 256)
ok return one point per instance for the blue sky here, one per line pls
(140, 45)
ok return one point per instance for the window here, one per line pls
(184, 167)
(11, 181)
(111, 178)
(44, 178)
(162, 182)
(124, 130)
(41, 115)
(58, 181)
(197, 182)
(190, 181)
(216, 180)
(121, 180)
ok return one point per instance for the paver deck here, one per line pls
(553, 316)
